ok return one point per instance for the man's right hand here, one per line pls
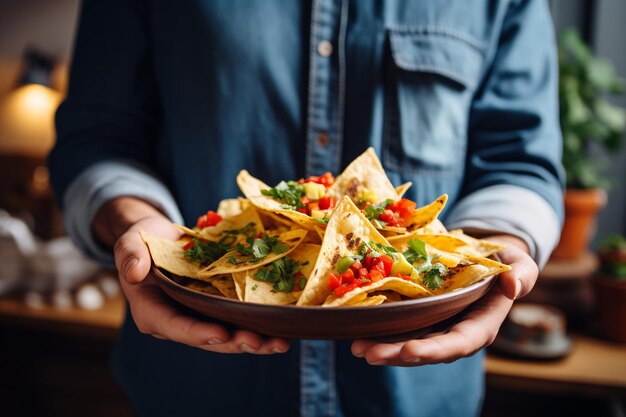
(119, 223)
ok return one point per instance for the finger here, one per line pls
(154, 314)
(359, 347)
(477, 330)
(132, 257)
(521, 278)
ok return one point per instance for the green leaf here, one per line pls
(433, 278)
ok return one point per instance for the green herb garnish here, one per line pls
(284, 274)
(416, 252)
(288, 193)
(433, 278)
(372, 211)
(260, 247)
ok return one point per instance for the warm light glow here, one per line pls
(27, 120)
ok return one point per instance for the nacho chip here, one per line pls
(426, 214)
(226, 286)
(445, 242)
(399, 285)
(170, 255)
(477, 247)
(476, 270)
(374, 300)
(234, 261)
(346, 229)
(238, 222)
(251, 187)
(402, 189)
(200, 286)
(257, 291)
(365, 173)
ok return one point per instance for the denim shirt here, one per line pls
(456, 96)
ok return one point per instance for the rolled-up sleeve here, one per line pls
(514, 136)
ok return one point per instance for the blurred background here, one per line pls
(563, 351)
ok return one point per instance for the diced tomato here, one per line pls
(313, 206)
(375, 275)
(305, 200)
(378, 265)
(356, 265)
(327, 179)
(367, 262)
(189, 245)
(201, 223)
(347, 277)
(404, 208)
(388, 217)
(344, 289)
(327, 202)
(334, 281)
(303, 210)
(212, 218)
(363, 272)
(388, 263)
(404, 277)
(259, 235)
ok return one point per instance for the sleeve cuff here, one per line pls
(511, 210)
(105, 181)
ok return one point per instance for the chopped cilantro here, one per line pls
(372, 211)
(282, 274)
(288, 193)
(433, 278)
(206, 252)
(416, 252)
(254, 287)
(233, 260)
(260, 247)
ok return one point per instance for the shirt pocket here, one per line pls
(431, 77)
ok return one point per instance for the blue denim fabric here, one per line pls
(455, 96)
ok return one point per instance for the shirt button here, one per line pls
(323, 139)
(325, 49)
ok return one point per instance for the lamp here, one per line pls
(26, 136)
(27, 112)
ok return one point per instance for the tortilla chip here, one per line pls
(466, 275)
(231, 207)
(226, 286)
(367, 172)
(224, 265)
(170, 255)
(399, 285)
(257, 291)
(426, 214)
(477, 247)
(251, 187)
(445, 242)
(215, 233)
(374, 300)
(201, 286)
(402, 189)
(346, 229)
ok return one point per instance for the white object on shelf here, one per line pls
(89, 297)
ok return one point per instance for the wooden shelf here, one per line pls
(594, 367)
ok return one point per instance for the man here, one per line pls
(169, 100)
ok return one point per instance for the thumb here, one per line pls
(132, 257)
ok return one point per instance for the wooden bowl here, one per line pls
(294, 322)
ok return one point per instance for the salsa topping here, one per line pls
(284, 274)
(307, 196)
(209, 219)
(388, 213)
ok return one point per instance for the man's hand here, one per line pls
(152, 310)
(477, 328)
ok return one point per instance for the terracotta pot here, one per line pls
(610, 294)
(581, 208)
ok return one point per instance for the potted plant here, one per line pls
(592, 127)
(610, 288)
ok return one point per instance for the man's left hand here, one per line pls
(477, 328)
